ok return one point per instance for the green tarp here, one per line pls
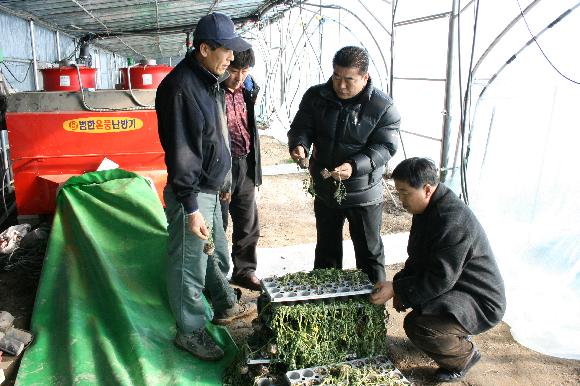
(101, 315)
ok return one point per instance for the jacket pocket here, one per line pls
(209, 157)
(357, 132)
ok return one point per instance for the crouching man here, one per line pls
(450, 279)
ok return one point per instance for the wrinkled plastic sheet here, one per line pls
(524, 187)
(101, 314)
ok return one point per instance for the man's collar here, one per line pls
(439, 192)
(223, 76)
(239, 89)
(207, 75)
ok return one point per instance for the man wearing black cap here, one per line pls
(192, 128)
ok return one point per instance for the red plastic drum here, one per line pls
(145, 76)
(67, 79)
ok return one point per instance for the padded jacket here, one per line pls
(363, 133)
(192, 127)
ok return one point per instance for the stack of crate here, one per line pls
(319, 325)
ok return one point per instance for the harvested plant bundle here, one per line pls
(310, 334)
(342, 375)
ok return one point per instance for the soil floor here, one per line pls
(286, 218)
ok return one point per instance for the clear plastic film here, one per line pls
(523, 183)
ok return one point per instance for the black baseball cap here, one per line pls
(220, 28)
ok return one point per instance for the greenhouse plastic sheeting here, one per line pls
(523, 185)
(101, 314)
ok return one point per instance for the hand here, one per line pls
(382, 292)
(196, 225)
(397, 305)
(342, 172)
(298, 153)
(226, 196)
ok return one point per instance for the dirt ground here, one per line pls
(287, 218)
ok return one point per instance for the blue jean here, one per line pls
(190, 270)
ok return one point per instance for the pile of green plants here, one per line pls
(320, 332)
(321, 277)
(326, 331)
(343, 375)
(311, 334)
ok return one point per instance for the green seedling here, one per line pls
(209, 247)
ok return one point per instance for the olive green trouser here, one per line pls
(190, 270)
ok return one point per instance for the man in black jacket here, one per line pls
(450, 280)
(191, 119)
(246, 169)
(352, 129)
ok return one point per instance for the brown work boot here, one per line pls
(200, 344)
(238, 310)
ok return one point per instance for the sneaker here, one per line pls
(200, 344)
(238, 310)
(443, 375)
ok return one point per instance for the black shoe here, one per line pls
(249, 281)
(443, 375)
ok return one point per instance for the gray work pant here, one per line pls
(190, 270)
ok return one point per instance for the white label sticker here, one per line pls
(65, 81)
(147, 79)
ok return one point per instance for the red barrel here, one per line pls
(66, 78)
(145, 76)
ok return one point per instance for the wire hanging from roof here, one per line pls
(365, 26)
(540, 47)
(512, 58)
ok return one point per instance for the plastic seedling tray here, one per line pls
(314, 375)
(258, 361)
(290, 292)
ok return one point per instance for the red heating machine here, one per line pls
(53, 136)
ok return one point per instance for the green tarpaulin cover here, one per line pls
(101, 315)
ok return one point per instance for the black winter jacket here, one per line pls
(451, 267)
(363, 133)
(190, 109)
